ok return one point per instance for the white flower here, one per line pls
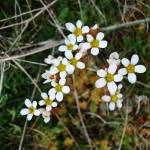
(30, 110)
(48, 77)
(48, 101)
(113, 100)
(58, 90)
(62, 67)
(94, 44)
(51, 60)
(77, 31)
(131, 68)
(45, 114)
(114, 58)
(75, 60)
(70, 45)
(108, 77)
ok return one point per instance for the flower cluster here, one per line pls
(81, 41)
(113, 74)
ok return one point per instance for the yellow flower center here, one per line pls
(48, 101)
(95, 43)
(31, 110)
(73, 61)
(61, 67)
(130, 68)
(114, 98)
(58, 88)
(109, 77)
(70, 47)
(77, 32)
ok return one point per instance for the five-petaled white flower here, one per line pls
(113, 100)
(113, 59)
(75, 60)
(70, 45)
(77, 31)
(30, 110)
(108, 77)
(45, 114)
(94, 44)
(131, 68)
(48, 76)
(48, 101)
(62, 67)
(58, 90)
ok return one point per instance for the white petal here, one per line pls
(70, 69)
(59, 96)
(112, 87)
(85, 46)
(118, 77)
(65, 61)
(112, 68)
(103, 44)
(62, 81)
(36, 112)
(122, 71)
(54, 104)
(34, 104)
(94, 51)
(100, 83)
(140, 68)
(119, 103)
(46, 119)
(100, 36)
(79, 24)
(101, 73)
(24, 111)
(114, 55)
(75, 47)
(63, 74)
(53, 83)
(48, 108)
(52, 91)
(80, 38)
(62, 48)
(125, 62)
(52, 96)
(44, 95)
(29, 117)
(80, 65)
(71, 27)
(112, 106)
(28, 103)
(53, 70)
(66, 89)
(89, 38)
(132, 77)
(134, 59)
(106, 98)
(78, 55)
(41, 102)
(68, 54)
(72, 38)
(120, 86)
(85, 29)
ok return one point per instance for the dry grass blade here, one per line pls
(2, 76)
(48, 45)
